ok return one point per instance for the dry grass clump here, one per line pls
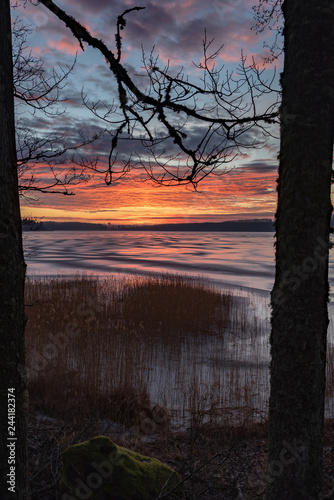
(168, 306)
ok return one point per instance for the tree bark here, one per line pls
(12, 273)
(300, 294)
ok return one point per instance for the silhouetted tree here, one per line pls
(299, 298)
(13, 457)
(300, 294)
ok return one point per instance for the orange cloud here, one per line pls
(64, 46)
(242, 191)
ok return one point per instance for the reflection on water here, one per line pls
(245, 259)
(226, 377)
(234, 258)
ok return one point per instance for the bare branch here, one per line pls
(224, 110)
(39, 90)
(268, 16)
(121, 23)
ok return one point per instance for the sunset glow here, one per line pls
(176, 29)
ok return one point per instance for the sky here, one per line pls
(176, 30)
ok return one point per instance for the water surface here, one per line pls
(245, 259)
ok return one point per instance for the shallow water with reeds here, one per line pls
(127, 338)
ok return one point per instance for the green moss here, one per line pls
(99, 466)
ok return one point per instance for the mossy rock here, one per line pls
(99, 469)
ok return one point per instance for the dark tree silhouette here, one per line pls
(13, 457)
(300, 294)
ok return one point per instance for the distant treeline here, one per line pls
(256, 225)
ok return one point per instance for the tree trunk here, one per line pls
(12, 272)
(300, 294)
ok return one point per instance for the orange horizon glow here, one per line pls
(240, 193)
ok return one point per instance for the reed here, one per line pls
(180, 365)
(123, 348)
